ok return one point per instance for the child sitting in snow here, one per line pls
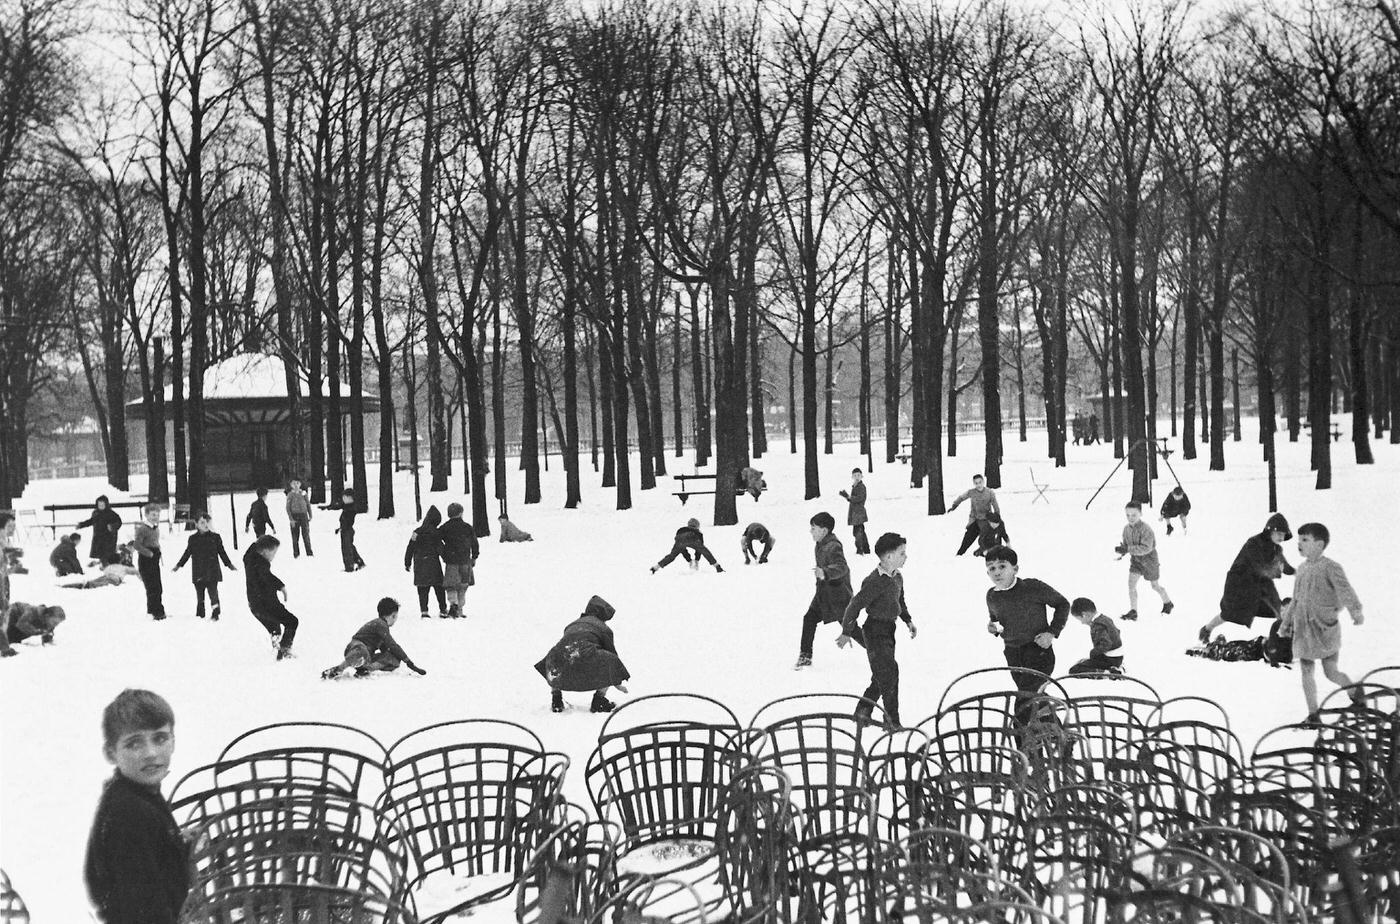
(512, 533)
(1106, 656)
(372, 648)
(64, 557)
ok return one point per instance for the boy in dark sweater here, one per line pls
(264, 589)
(881, 595)
(137, 863)
(688, 539)
(258, 517)
(1106, 656)
(833, 585)
(756, 532)
(206, 548)
(64, 557)
(349, 555)
(1016, 612)
(373, 648)
(147, 547)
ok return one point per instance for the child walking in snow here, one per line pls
(833, 585)
(1141, 543)
(264, 589)
(1320, 592)
(372, 647)
(349, 555)
(206, 549)
(460, 550)
(258, 517)
(1176, 506)
(423, 556)
(881, 595)
(1106, 655)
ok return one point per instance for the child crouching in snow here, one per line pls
(585, 658)
(1106, 655)
(1320, 591)
(372, 648)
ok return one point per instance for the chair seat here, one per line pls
(445, 889)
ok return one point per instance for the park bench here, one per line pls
(1336, 429)
(685, 493)
(906, 452)
(53, 526)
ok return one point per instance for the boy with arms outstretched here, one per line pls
(1320, 592)
(1141, 543)
(372, 648)
(833, 585)
(881, 595)
(982, 502)
(137, 864)
(206, 549)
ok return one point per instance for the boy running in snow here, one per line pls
(258, 517)
(833, 585)
(688, 539)
(1176, 506)
(1016, 612)
(1106, 656)
(881, 595)
(982, 502)
(1141, 543)
(349, 555)
(756, 532)
(856, 516)
(147, 546)
(372, 647)
(1320, 592)
(137, 863)
(264, 589)
(206, 548)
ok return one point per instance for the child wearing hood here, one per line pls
(585, 658)
(105, 524)
(264, 589)
(1249, 584)
(423, 556)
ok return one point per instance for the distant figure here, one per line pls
(1077, 425)
(205, 549)
(258, 517)
(423, 555)
(585, 658)
(751, 482)
(1106, 655)
(1249, 584)
(1093, 430)
(105, 525)
(856, 516)
(512, 533)
(756, 532)
(349, 555)
(688, 540)
(982, 502)
(1176, 506)
(372, 647)
(299, 516)
(64, 557)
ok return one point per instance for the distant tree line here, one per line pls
(625, 212)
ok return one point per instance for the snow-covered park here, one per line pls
(732, 636)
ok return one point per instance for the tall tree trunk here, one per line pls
(677, 350)
(607, 384)
(989, 310)
(1320, 350)
(891, 330)
(700, 395)
(157, 468)
(760, 430)
(828, 392)
(1292, 387)
(1357, 337)
(1193, 333)
(525, 321)
(1235, 384)
(864, 400)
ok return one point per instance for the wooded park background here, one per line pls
(638, 225)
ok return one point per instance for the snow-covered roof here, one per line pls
(253, 375)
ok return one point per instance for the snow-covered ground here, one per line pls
(732, 636)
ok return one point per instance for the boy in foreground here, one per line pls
(1016, 612)
(1140, 542)
(1320, 592)
(137, 864)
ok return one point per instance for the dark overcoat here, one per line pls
(834, 590)
(424, 551)
(1249, 584)
(585, 657)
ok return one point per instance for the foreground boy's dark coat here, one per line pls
(424, 551)
(834, 590)
(137, 863)
(585, 658)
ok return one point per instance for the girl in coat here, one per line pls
(585, 658)
(1249, 584)
(206, 549)
(105, 524)
(424, 557)
(264, 589)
